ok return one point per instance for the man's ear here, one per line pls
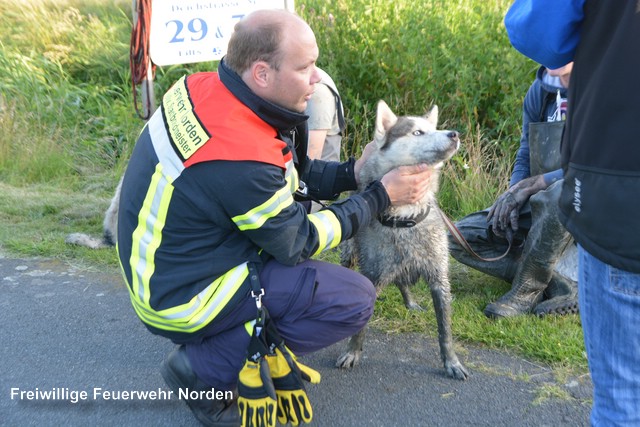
(260, 72)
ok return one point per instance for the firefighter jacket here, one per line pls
(209, 191)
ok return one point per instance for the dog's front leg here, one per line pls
(354, 350)
(441, 296)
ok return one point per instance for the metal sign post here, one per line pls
(142, 69)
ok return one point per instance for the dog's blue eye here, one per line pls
(418, 133)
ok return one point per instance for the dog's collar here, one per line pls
(402, 222)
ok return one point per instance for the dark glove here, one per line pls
(505, 211)
(256, 392)
(504, 214)
(287, 374)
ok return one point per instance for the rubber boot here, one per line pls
(560, 297)
(545, 243)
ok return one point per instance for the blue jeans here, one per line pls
(609, 301)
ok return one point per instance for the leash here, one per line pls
(465, 245)
(395, 222)
(302, 194)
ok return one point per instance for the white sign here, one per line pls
(186, 31)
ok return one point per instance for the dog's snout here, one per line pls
(454, 135)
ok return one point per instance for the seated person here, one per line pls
(528, 212)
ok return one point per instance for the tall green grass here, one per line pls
(68, 125)
(64, 90)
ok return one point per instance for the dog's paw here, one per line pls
(456, 370)
(81, 239)
(415, 306)
(348, 360)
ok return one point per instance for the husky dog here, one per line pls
(109, 227)
(407, 242)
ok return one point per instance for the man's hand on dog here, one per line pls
(505, 211)
(407, 184)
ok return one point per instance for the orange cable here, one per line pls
(139, 58)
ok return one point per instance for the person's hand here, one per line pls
(407, 184)
(506, 210)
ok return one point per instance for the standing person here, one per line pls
(528, 211)
(599, 203)
(209, 234)
(326, 120)
(326, 124)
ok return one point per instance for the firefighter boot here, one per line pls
(179, 375)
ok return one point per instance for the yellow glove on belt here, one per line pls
(270, 382)
(256, 393)
(287, 375)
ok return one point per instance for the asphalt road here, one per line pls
(70, 335)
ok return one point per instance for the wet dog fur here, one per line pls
(387, 254)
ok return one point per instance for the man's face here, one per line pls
(563, 72)
(292, 85)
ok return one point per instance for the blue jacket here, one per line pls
(599, 203)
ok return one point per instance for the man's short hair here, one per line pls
(255, 41)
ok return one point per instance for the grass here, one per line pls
(551, 340)
(554, 340)
(67, 127)
(416, 53)
(36, 219)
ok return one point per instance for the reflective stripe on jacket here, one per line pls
(209, 185)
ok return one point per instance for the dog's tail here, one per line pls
(109, 225)
(92, 242)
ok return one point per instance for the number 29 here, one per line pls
(196, 27)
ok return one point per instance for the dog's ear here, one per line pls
(385, 119)
(432, 115)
